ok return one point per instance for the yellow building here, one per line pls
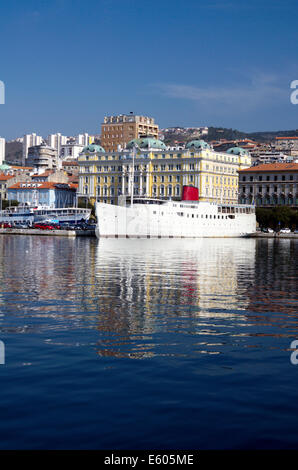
(159, 172)
(119, 130)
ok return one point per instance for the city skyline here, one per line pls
(225, 64)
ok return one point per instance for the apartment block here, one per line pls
(117, 131)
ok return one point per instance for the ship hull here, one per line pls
(174, 220)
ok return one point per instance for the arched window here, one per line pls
(177, 190)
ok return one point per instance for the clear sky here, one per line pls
(67, 63)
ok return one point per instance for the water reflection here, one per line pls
(150, 297)
(148, 343)
(149, 287)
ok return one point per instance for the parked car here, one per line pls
(285, 230)
(5, 225)
(44, 226)
(20, 225)
(67, 226)
(267, 230)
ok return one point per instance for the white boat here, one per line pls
(156, 218)
(30, 214)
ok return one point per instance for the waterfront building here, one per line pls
(117, 131)
(2, 150)
(160, 172)
(47, 193)
(30, 140)
(269, 184)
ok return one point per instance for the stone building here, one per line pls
(269, 184)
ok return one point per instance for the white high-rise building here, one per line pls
(56, 141)
(82, 139)
(2, 150)
(30, 140)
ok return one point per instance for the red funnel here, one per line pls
(190, 193)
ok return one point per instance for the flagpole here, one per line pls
(132, 175)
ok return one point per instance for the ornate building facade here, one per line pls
(148, 169)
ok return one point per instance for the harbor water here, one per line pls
(148, 344)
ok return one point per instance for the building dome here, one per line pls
(197, 144)
(4, 167)
(147, 143)
(93, 148)
(237, 151)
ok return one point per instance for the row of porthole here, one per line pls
(181, 214)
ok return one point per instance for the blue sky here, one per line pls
(67, 63)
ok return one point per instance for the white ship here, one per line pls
(156, 218)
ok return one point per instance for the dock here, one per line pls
(49, 233)
(275, 235)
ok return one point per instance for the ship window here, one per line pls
(192, 215)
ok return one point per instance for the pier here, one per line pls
(275, 235)
(50, 233)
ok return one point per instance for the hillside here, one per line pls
(174, 135)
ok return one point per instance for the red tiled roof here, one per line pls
(70, 163)
(286, 138)
(264, 167)
(15, 167)
(41, 185)
(5, 177)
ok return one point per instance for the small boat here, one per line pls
(30, 215)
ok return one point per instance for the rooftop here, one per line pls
(265, 167)
(43, 185)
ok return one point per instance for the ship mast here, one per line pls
(132, 175)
